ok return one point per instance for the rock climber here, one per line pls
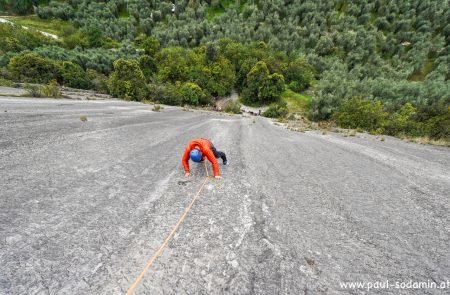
(200, 148)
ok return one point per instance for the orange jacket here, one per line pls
(204, 145)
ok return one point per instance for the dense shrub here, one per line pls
(193, 95)
(52, 89)
(15, 39)
(439, 126)
(401, 122)
(360, 113)
(77, 39)
(276, 110)
(30, 67)
(74, 76)
(97, 81)
(298, 74)
(6, 83)
(148, 66)
(98, 59)
(34, 90)
(262, 87)
(19, 6)
(434, 120)
(216, 77)
(165, 93)
(56, 9)
(127, 81)
(232, 107)
(151, 46)
(337, 86)
(174, 64)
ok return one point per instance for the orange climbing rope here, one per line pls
(169, 237)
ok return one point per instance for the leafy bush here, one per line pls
(401, 122)
(192, 94)
(15, 38)
(52, 89)
(77, 39)
(439, 126)
(127, 81)
(217, 77)
(165, 94)
(74, 76)
(34, 90)
(276, 110)
(151, 46)
(232, 107)
(434, 120)
(56, 9)
(148, 66)
(30, 67)
(298, 75)
(262, 87)
(360, 113)
(98, 59)
(6, 83)
(18, 6)
(337, 86)
(174, 64)
(97, 81)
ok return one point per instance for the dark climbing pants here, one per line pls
(218, 154)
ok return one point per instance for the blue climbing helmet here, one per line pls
(196, 155)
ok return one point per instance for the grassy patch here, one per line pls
(427, 140)
(296, 102)
(232, 107)
(6, 83)
(52, 26)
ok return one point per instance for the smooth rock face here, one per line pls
(85, 205)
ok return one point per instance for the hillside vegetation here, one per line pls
(378, 65)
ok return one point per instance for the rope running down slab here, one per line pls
(169, 237)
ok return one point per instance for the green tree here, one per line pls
(173, 64)
(217, 78)
(21, 6)
(151, 46)
(193, 95)
(93, 35)
(127, 81)
(262, 87)
(298, 74)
